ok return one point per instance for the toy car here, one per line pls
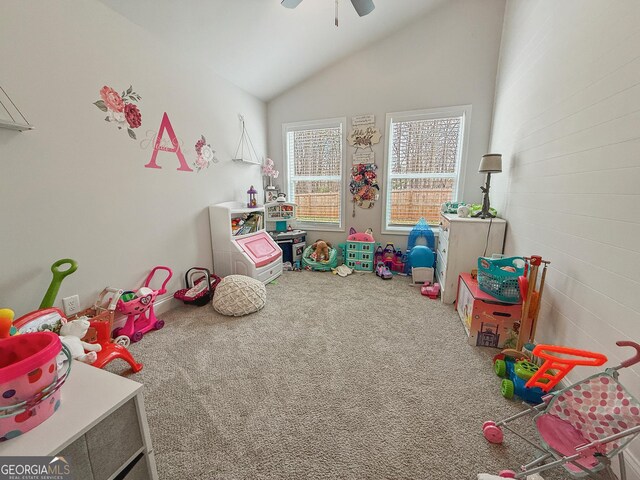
(515, 373)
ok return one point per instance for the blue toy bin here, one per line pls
(498, 282)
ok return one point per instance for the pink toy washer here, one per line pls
(140, 315)
(29, 382)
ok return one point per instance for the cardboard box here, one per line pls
(487, 321)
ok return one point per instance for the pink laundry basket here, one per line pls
(29, 382)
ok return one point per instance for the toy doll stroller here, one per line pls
(139, 310)
(581, 427)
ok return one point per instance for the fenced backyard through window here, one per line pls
(423, 164)
(315, 159)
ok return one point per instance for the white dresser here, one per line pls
(460, 243)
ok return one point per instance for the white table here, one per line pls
(100, 428)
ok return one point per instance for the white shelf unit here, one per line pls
(460, 243)
(280, 211)
(253, 253)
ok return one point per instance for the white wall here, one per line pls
(76, 186)
(449, 57)
(566, 120)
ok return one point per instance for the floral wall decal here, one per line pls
(121, 109)
(205, 154)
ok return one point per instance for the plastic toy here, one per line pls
(58, 276)
(198, 292)
(581, 427)
(29, 381)
(101, 316)
(530, 382)
(383, 271)
(71, 334)
(48, 319)
(253, 202)
(431, 291)
(6, 323)
(308, 263)
(140, 315)
(359, 251)
(422, 230)
(531, 298)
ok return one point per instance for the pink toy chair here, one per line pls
(581, 427)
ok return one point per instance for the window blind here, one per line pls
(315, 157)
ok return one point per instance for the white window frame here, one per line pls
(307, 125)
(427, 114)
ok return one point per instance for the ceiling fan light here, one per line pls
(363, 7)
(290, 3)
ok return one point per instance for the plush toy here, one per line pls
(355, 236)
(321, 251)
(71, 334)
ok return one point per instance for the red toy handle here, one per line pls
(581, 357)
(162, 290)
(633, 360)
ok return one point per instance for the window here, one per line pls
(314, 156)
(423, 163)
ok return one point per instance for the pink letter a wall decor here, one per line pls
(165, 125)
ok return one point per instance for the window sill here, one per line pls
(319, 228)
(406, 231)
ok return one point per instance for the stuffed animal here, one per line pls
(321, 251)
(71, 334)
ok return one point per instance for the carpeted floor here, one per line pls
(346, 378)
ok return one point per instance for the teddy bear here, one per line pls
(71, 334)
(321, 251)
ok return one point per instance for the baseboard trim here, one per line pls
(633, 466)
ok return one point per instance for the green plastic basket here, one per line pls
(307, 261)
(501, 284)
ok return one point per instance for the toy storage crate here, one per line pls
(359, 255)
(500, 283)
(488, 322)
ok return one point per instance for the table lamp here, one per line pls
(490, 163)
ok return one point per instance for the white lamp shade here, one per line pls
(491, 163)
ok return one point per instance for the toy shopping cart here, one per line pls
(139, 309)
(581, 427)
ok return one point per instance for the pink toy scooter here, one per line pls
(431, 291)
(140, 315)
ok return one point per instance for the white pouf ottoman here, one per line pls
(238, 295)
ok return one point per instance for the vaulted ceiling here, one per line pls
(263, 47)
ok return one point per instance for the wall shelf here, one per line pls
(21, 127)
(9, 112)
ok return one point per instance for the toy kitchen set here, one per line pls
(279, 216)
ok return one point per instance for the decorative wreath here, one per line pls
(364, 184)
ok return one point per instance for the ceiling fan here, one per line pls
(363, 7)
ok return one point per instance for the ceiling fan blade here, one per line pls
(290, 3)
(363, 7)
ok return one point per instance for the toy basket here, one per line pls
(314, 265)
(499, 277)
(196, 292)
(29, 381)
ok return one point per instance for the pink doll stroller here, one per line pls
(581, 427)
(139, 309)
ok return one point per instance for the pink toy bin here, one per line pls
(29, 382)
